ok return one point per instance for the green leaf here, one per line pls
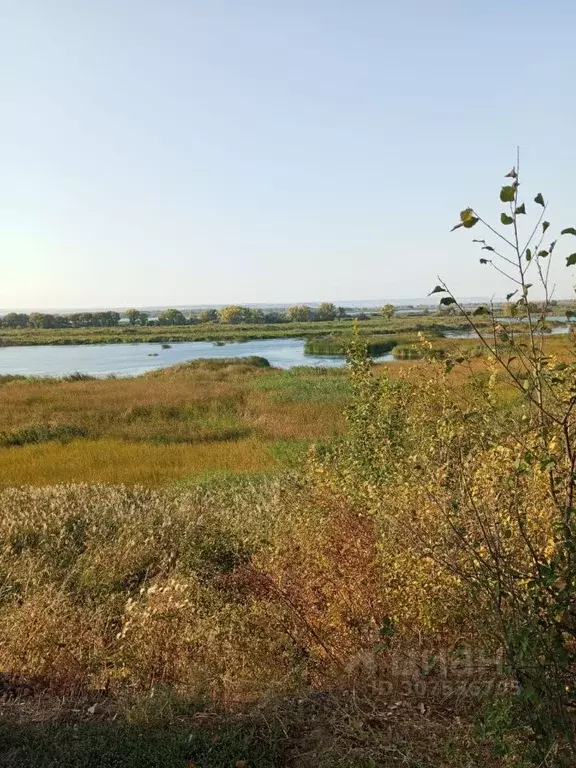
(509, 295)
(437, 289)
(543, 254)
(546, 224)
(539, 199)
(388, 627)
(507, 194)
(484, 261)
(505, 219)
(481, 311)
(487, 248)
(571, 260)
(447, 300)
(528, 254)
(568, 231)
(520, 209)
(467, 219)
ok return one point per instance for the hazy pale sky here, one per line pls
(187, 151)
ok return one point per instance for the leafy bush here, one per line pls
(473, 488)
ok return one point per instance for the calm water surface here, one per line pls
(133, 359)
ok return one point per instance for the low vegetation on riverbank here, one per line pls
(187, 421)
(224, 332)
(337, 345)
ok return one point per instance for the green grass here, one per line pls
(217, 364)
(122, 745)
(286, 455)
(62, 433)
(289, 453)
(226, 478)
(300, 386)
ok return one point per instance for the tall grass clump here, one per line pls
(41, 433)
(123, 588)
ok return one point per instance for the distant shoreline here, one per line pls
(10, 337)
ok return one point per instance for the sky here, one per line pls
(238, 151)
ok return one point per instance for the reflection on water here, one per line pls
(134, 359)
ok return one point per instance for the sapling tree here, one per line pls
(529, 582)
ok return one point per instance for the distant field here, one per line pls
(224, 332)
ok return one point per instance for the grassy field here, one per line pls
(188, 421)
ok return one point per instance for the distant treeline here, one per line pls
(45, 320)
(232, 315)
(238, 315)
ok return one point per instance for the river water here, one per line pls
(133, 359)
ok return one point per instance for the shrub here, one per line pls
(473, 489)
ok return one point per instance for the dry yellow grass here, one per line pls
(180, 422)
(159, 428)
(99, 404)
(294, 421)
(117, 461)
(224, 593)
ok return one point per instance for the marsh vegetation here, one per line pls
(226, 564)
